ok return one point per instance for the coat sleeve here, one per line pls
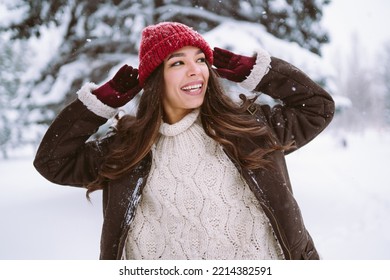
(305, 108)
(64, 155)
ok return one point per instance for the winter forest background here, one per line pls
(49, 49)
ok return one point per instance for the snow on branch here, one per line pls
(170, 11)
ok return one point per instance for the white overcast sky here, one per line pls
(369, 20)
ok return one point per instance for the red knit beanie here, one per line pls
(160, 40)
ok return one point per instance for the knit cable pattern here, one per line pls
(195, 204)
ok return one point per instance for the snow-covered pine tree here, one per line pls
(291, 20)
(91, 38)
(12, 65)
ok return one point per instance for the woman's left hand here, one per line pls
(232, 66)
(120, 89)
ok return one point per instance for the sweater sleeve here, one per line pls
(305, 108)
(64, 156)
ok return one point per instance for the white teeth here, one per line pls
(192, 87)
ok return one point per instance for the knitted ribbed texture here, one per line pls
(162, 39)
(195, 205)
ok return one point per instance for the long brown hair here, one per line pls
(244, 138)
(223, 120)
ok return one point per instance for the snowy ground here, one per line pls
(345, 195)
(343, 191)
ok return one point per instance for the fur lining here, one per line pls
(90, 100)
(260, 69)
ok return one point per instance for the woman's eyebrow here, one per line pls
(176, 55)
(180, 54)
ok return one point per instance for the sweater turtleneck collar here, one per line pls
(181, 126)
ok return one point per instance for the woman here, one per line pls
(193, 175)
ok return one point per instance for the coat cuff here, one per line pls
(93, 104)
(260, 69)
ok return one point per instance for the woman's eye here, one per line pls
(177, 63)
(181, 62)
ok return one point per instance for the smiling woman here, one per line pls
(193, 175)
(185, 78)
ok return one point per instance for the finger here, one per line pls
(122, 73)
(223, 52)
(128, 75)
(221, 57)
(224, 55)
(134, 73)
(123, 68)
(221, 62)
(225, 73)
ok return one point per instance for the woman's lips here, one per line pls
(193, 88)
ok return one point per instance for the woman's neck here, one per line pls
(173, 117)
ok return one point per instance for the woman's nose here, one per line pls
(193, 69)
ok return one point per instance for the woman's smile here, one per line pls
(193, 88)
(186, 76)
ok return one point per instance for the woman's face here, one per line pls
(185, 81)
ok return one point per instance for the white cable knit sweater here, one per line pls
(195, 204)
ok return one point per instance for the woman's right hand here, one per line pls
(232, 66)
(120, 89)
